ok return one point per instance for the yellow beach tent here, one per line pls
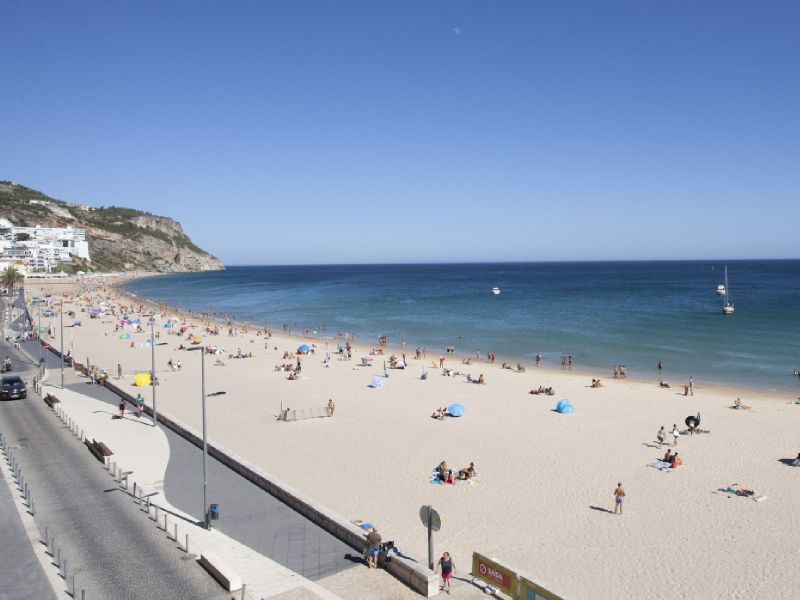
(142, 380)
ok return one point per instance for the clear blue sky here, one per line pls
(294, 132)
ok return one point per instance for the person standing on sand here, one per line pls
(675, 434)
(121, 408)
(691, 386)
(448, 567)
(119, 371)
(619, 499)
(660, 437)
(331, 407)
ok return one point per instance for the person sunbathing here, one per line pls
(219, 363)
(663, 384)
(737, 405)
(481, 380)
(676, 462)
(468, 472)
(450, 478)
(441, 470)
(466, 361)
(293, 376)
(669, 457)
(438, 414)
(796, 461)
(520, 368)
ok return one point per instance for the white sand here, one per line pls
(541, 473)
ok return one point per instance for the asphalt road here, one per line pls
(111, 547)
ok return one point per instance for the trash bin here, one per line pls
(213, 512)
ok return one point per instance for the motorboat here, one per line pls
(721, 289)
(496, 291)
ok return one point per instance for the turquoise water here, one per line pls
(632, 313)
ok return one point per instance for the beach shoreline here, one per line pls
(123, 280)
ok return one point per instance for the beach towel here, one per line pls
(660, 465)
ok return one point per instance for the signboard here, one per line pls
(436, 520)
(503, 578)
(529, 590)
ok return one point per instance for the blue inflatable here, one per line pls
(564, 407)
(456, 410)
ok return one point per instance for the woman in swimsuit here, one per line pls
(448, 567)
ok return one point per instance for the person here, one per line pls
(669, 457)
(467, 473)
(676, 462)
(139, 405)
(659, 365)
(663, 384)
(481, 380)
(119, 371)
(660, 436)
(619, 498)
(331, 407)
(796, 462)
(686, 390)
(691, 386)
(438, 414)
(448, 567)
(675, 434)
(373, 547)
(121, 408)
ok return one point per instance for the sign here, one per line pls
(436, 520)
(493, 573)
(529, 590)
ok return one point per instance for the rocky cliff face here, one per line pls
(119, 239)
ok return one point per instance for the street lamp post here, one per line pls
(39, 333)
(153, 366)
(206, 521)
(61, 340)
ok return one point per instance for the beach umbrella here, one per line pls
(125, 336)
(167, 325)
(456, 410)
(303, 348)
(377, 382)
(564, 407)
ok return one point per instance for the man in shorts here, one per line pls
(619, 499)
(373, 548)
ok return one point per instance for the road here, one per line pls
(111, 547)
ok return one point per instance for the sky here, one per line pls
(416, 131)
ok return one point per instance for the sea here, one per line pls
(600, 313)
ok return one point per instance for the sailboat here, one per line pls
(727, 306)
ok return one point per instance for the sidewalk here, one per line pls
(144, 450)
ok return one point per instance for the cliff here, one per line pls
(120, 239)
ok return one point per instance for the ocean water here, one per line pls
(601, 313)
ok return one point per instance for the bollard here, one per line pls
(73, 586)
(83, 594)
(165, 525)
(46, 534)
(134, 489)
(65, 569)
(244, 588)
(156, 519)
(58, 556)
(175, 533)
(33, 507)
(82, 434)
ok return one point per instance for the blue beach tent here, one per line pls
(377, 382)
(564, 407)
(456, 410)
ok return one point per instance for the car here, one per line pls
(12, 386)
(47, 312)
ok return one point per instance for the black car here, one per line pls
(11, 387)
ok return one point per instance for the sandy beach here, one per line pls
(542, 500)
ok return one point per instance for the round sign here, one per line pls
(436, 520)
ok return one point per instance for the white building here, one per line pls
(44, 248)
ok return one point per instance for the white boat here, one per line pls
(727, 305)
(496, 291)
(721, 289)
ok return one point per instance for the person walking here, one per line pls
(448, 567)
(619, 499)
(139, 405)
(121, 408)
(373, 548)
(675, 434)
(660, 437)
(331, 407)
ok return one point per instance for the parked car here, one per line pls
(47, 312)
(11, 386)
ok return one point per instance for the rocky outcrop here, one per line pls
(120, 239)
